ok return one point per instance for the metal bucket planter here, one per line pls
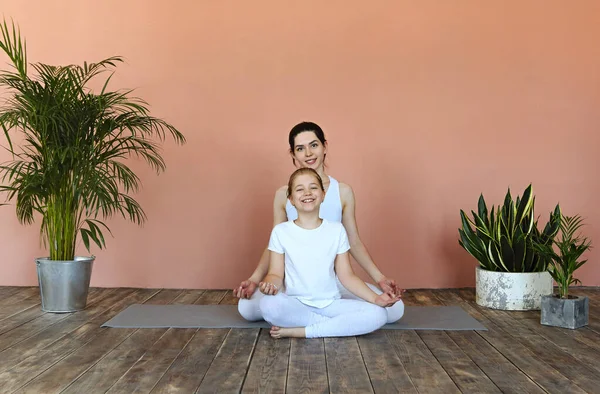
(518, 291)
(64, 285)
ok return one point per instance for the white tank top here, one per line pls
(331, 207)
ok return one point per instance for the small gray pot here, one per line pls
(64, 285)
(566, 313)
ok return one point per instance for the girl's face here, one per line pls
(307, 194)
(309, 151)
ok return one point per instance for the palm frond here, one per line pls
(70, 164)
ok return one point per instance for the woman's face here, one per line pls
(309, 151)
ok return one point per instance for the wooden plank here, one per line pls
(463, 371)
(385, 369)
(7, 291)
(562, 338)
(149, 369)
(229, 299)
(187, 371)
(62, 373)
(107, 371)
(120, 360)
(188, 297)
(227, 372)
(35, 311)
(32, 336)
(566, 363)
(307, 372)
(523, 358)
(346, 370)
(41, 357)
(20, 295)
(269, 365)
(424, 370)
(127, 362)
(505, 375)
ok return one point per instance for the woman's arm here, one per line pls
(356, 286)
(247, 287)
(274, 279)
(357, 248)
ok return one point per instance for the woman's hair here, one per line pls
(301, 128)
(302, 171)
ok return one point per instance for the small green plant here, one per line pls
(503, 240)
(562, 265)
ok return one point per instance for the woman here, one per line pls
(308, 148)
(307, 255)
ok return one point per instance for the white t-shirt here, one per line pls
(309, 260)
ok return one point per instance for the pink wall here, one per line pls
(426, 104)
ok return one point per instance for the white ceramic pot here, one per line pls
(517, 291)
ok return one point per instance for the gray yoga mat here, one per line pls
(227, 316)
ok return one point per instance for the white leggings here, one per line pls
(340, 318)
(250, 308)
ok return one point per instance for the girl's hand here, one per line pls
(386, 299)
(268, 288)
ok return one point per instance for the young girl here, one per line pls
(308, 149)
(306, 254)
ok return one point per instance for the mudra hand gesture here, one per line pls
(388, 285)
(387, 299)
(245, 289)
(268, 288)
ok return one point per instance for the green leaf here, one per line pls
(69, 165)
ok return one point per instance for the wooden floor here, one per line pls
(70, 353)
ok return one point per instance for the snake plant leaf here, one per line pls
(475, 247)
(483, 211)
(519, 249)
(525, 205)
(496, 257)
(508, 255)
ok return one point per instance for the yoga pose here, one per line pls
(306, 254)
(308, 148)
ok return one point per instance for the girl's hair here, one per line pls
(302, 171)
(301, 128)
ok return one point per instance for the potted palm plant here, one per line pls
(510, 274)
(563, 309)
(69, 169)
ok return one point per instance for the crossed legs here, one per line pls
(291, 317)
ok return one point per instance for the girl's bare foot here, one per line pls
(295, 332)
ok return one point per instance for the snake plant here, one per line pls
(503, 239)
(71, 167)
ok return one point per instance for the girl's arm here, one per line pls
(357, 287)
(247, 287)
(274, 279)
(357, 248)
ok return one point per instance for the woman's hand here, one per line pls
(245, 289)
(386, 299)
(388, 285)
(268, 288)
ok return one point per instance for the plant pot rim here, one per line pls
(571, 297)
(511, 273)
(78, 259)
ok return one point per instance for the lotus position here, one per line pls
(306, 254)
(308, 149)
